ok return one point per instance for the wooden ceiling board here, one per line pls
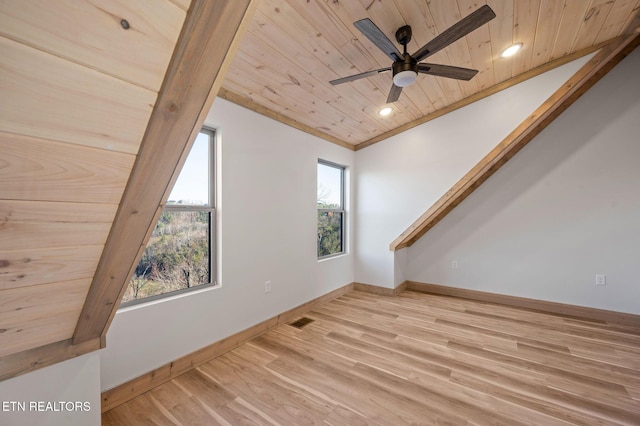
(445, 15)
(479, 45)
(593, 21)
(93, 35)
(283, 33)
(33, 266)
(17, 235)
(268, 29)
(35, 211)
(182, 4)
(292, 82)
(47, 314)
(572, 17)
(525, 22)
(288, 26)
(44, 170)
(501, 30)
(619, 16)
(31, 301)
(51, 98)
(280, 87)
(320, 44)
(549, 19)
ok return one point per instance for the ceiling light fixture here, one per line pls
(405, 78)
(385, 111)
(511, 50)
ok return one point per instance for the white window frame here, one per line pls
(211, 210)
(341, 211)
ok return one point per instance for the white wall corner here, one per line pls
(400, 258)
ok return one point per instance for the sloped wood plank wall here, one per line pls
(79, 80)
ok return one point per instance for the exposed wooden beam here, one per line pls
(575, 87)
(209, 38)
(43, 356)
(267, 112)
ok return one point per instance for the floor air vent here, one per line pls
(301, 322)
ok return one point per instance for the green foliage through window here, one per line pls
(330, 201)
(176, 256)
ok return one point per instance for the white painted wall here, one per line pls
(73, 381)
(267, 215)
(565, 208)
(400, 178)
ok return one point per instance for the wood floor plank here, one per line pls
(411, 359)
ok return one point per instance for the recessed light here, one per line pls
(385, 111)
(511, 50)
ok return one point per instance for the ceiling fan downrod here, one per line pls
(405, 71)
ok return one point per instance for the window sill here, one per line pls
(159, 300)
(334, 256)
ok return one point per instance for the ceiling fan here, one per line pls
(406, 67)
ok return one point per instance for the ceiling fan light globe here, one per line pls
(405, 78)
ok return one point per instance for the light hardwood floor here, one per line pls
(411, 359)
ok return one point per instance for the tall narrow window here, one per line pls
(331, 215)
(178, 256)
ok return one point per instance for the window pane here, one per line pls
(329, 187)
(192, 186)
(176, 256)
(330, 233)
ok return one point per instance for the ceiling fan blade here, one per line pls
(358, 76)
(394, 93)
(373, 33)
(447, 71)
(458, 30)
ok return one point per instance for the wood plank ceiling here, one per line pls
(294, 48)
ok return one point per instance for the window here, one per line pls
(331, 215)
(178, 256)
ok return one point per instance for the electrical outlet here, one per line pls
(454, 264)
(267, 286)
(601, 279)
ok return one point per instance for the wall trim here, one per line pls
(593, 314)
(122, 393)
(380, 291)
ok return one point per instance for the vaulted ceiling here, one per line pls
(102, 99)
(293, 48)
